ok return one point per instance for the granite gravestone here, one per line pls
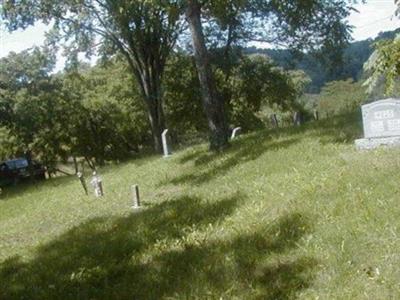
(381, 122)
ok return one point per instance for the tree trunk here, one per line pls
(151, 90)
(157, 122)
(149, 79)
(213, 107)
(75, 165)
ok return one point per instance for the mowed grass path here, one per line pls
(284, 214)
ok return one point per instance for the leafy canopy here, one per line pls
(385, 63)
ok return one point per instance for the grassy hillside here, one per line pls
(290, 213)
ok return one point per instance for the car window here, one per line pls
(17, 164)
(21, 163)
(10, 164)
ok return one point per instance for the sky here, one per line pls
(373, 17)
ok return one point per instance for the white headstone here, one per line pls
(235, 131)
(164, 138)
(316, 115)
(297, 119)
(97, 185)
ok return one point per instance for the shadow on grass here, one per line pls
(209, 165)
(163, 252)
(339, 129)
(10, 192)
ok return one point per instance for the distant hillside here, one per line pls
(354, 58)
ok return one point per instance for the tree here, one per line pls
(90, 112)
(144, 32)
(182, 95)
(33, 107)
(213, 106)
(339, 97)
(256, 83)
(385, 62)
(253, 85)
(8, 143)
(314, 25)
(354, 57)
(110, 119)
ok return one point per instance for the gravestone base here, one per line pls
(373, 143)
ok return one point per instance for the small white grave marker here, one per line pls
(164, 138)
(235, 131)
(97, 185)
(316, 115)
(297, 119)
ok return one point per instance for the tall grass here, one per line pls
(282, 214)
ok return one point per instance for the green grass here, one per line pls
(283, 214)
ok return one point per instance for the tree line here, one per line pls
(147, 39)
(355, 55)
(98, 113)
(145, 32)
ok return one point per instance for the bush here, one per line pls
(339, 97)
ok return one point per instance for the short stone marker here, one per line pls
(316, 115)
(97, 184)
(235, 131)
(135, 197)
(274, 121)
(381, 122)
(164, 138)
(297, 120)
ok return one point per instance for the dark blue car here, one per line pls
(14, 170)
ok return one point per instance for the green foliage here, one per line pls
(354, 57)
(8, 144)
(384, 63)
(338, 97)
(182, 96)
(97, 113)
(142, 32)
(247, 85)
(300, 24)
(109, 119)
(254, 83)
(34, 109)
(317, 29)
